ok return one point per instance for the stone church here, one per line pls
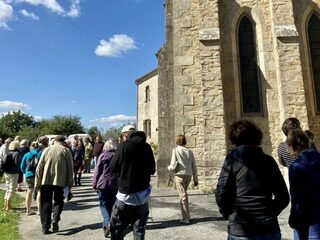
(225, 60)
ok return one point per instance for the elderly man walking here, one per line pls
(54, 172)
(134, 163)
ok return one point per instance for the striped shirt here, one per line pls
(285, 158)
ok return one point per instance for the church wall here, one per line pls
(302, 10)
(201, 70)
(148, 109)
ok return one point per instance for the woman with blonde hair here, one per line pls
(12, 173)
(106, 184)
(184, 166)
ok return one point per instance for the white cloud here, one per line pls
(74, 9)
(6, 14)
(115, 120)
(27, 14)
(37, 118)
(7, 11)
(117, 44)
(13, 105)
(52, 5)
(55, 7)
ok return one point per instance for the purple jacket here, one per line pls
(102, 177)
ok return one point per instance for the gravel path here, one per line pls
(81, 218)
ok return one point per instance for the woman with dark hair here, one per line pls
(251, 191)
(285, 158)
(304, 179)
(183, 162)
(78, 156)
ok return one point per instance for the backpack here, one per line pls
(32, 163)
(7, 162)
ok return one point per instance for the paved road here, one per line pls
(81, 218)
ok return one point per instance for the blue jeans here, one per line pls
(272, 236)
(314, 233)
(107, 197)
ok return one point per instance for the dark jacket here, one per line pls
(251, 192)
(103, 178)
(17, 157)
(97, 149)
(133, 162)
(304, 177)
(78, 156)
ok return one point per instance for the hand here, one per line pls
(196, 184)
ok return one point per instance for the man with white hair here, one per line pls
(4, 150)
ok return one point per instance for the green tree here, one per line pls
(12, 123)
(94, 132)
(113, 133)
(64, 125)
(29, 132)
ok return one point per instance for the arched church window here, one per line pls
(147, 94)
(248, 68)
(314, 44)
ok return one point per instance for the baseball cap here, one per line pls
(127, 128)
(42, 139)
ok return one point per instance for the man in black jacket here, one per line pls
(134, 163)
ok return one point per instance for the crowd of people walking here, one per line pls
(251, 191)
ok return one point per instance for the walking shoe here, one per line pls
(30, 213)
(106, 231)
(45, 231)
(184, 221)
(55, 227)
(70, 196)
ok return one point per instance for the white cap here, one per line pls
(127, 128)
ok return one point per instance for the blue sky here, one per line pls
(77, 57)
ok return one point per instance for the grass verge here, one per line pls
(9, 219)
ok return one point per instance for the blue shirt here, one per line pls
(25, 158)
(135, 199)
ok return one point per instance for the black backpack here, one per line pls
(7, 162)
(32, 163)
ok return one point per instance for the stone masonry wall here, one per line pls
(200, 76)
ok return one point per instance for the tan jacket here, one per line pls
(55, 167)
(187, 164)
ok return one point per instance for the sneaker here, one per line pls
(38, 213)
(106, 231)
(184, 221)
(70, 196)
(55, 227)
(45, 231)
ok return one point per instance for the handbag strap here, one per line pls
(175, 154)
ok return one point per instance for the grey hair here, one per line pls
(109, 145)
